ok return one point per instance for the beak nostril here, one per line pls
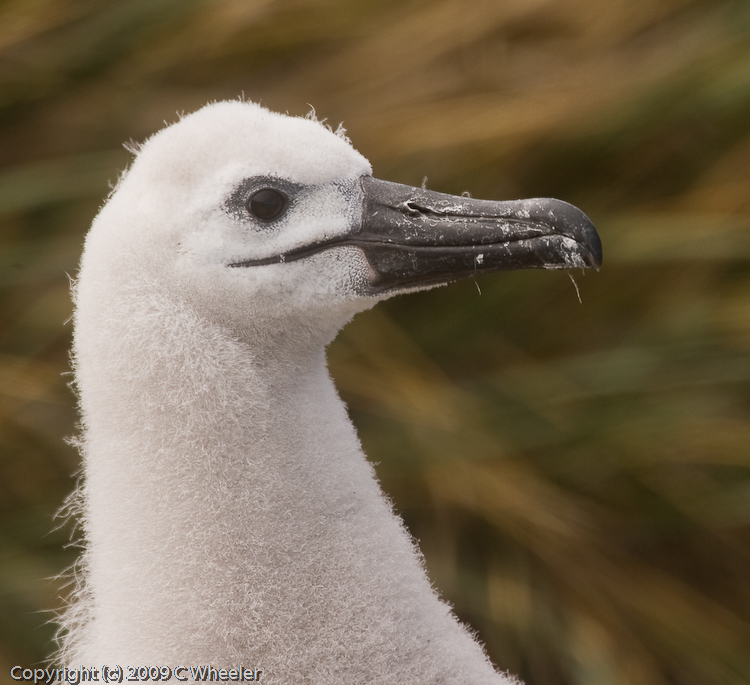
(414, 209)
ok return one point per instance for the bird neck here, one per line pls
(231, 517)
(205, 456)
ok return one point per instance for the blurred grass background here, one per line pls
(577, 474)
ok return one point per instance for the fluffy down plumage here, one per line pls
(229, 514)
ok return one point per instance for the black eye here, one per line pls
(267, 204)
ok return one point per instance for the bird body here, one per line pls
(229, 513)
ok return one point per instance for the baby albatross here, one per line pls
(229, 515)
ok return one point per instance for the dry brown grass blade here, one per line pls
(630, 602)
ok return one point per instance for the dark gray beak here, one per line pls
(414, 237)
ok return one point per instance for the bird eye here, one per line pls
(267, 204)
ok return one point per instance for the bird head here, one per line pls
(257, 218)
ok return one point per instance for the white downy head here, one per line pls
(179, 217)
